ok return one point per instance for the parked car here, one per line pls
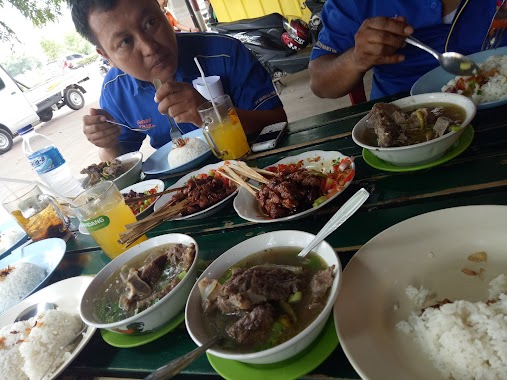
(71, 61)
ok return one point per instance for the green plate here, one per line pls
(459, 147)
(129, 341)
(292, 368)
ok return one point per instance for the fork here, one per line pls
(497, 29)
(175, 131)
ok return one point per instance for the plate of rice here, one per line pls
(179, 156)
(433, 298)
(30, 347)
(28, 269)
(487, 90)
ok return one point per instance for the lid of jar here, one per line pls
(26, 129)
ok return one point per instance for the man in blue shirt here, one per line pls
(136, 38)
(359, 35)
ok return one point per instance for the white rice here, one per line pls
(29, 347)
(465, 340)
(193, 148)
(495, 88)
(19, 280)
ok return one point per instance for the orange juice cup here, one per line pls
(104, 213)
(224, 134)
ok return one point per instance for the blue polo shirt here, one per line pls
(130, 101)
(342, 18)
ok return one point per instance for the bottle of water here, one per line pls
(48, 162)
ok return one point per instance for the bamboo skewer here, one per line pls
(236, 178)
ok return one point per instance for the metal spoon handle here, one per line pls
(345, 212)
(175, 366)
(414, 41)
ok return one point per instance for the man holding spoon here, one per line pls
(135, 36)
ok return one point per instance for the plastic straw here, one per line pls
(207, 87)
(42, 186)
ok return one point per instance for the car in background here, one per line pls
(72, 61)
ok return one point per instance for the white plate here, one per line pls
(247, 206)
(433, 80)
(143, 186)
(46, 254)
(182, 181)
(428, 250)
(66, 294)
(157, 163)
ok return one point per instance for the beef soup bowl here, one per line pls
(140, 290)
(416, 153)
(285, 336)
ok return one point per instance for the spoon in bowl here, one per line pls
(343, 213)
(453, 63)
(33, 310)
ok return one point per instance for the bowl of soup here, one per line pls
(144, 288)
(264, 302)
(414, 130)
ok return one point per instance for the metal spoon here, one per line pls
(454, 63)
(343, 213)
(126, 126)
(33, 310)
(177, 365)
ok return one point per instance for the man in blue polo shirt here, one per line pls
(136, 38)
(359, 35)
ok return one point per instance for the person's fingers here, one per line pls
(97, 131)
(391, 25)
(181, 113)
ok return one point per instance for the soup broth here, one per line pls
(289, 315)
(142, 281)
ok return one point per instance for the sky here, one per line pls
(28, 34)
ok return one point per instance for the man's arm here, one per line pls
(110, 153)
(254, 121)
(376, 43)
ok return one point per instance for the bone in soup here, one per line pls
(392, 126)
(265, 299)
(143, 281)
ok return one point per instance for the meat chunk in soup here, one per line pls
(254, 326)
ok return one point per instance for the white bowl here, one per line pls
(143, 186)
(155, 316)
(423, 152)
(132, 175)
(194, 313)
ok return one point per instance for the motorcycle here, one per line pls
(104, 66)
(281, 46)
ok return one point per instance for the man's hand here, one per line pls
(98, 132)
(377, 41)
(180, 101)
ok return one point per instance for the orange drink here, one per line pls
(104, 213)
(223, 130)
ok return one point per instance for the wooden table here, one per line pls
(478, 176)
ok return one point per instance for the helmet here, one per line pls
(297, 35)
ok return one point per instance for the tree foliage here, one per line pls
(19, 64)
(52, 49)
(39, 12)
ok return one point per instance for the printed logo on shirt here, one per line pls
(263, 98)
(145, 123)
(325, 47)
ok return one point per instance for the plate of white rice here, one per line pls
(491, 94)
(27, 353)
(426, 298)
(164, 161)
(28, 269)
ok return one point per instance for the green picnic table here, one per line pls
(477, 176)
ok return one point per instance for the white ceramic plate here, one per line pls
(46, 254)
(433, 80)
(157, 163)
(429, 250)
(247, 206)
(66, 294)
(143, 186)
(182, 181)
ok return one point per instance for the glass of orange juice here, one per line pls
(222, 129)
(104, 213)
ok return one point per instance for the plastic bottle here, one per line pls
(48, 162)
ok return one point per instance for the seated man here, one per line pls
(359, 35)
(136, 38)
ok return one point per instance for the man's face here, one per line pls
(137, 38)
